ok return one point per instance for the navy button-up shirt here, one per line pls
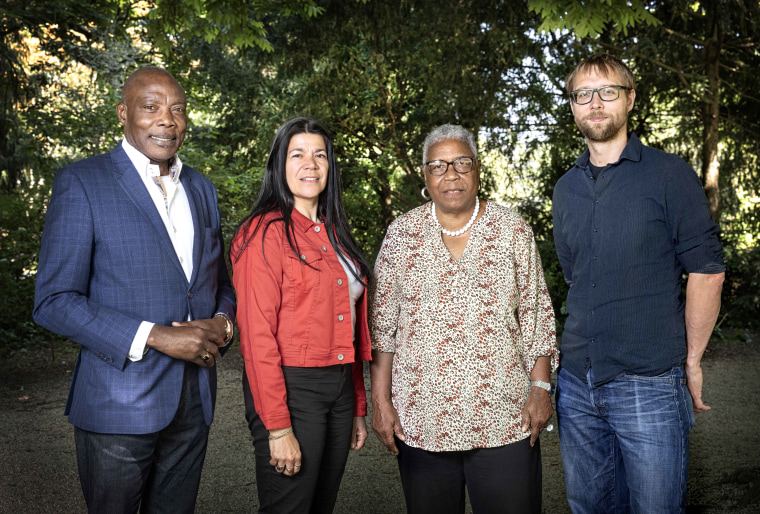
(624, 241)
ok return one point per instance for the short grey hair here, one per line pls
(446, 133)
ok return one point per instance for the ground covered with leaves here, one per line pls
(39, 467)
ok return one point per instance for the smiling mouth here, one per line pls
(163, 139)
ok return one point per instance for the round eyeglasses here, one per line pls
(438, 167)
(606, 93)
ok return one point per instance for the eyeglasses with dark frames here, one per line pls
(438, 167)
(606, 93)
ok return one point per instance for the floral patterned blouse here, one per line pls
(465, 333)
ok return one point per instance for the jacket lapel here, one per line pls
(129, 180)
(196, 208)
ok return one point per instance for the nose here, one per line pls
(166, 117)
(596, 100)
(311, 160)
(451, 173)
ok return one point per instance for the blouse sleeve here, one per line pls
(384, 306)
(535, 311)
(258, 283)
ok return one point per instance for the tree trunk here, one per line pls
(710, 162)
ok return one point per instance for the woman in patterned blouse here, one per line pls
(463, 341)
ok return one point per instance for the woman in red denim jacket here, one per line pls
(301, 284)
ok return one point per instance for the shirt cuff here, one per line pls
(712, 268)
(140, 342)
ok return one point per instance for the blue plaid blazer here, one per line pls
(106, 264)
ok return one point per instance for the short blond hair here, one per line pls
(604, 64)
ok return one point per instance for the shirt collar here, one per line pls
(145, 168)
(301, 222)
(631, 152)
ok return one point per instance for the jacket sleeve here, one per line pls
(257, 276)
(360, 393)
(363, 344)
(225, 293)
(61, 302)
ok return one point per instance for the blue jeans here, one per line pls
(625, 444)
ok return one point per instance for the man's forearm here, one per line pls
(702, 308)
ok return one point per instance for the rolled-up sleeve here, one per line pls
(535, 311)
(694, 232)
(384, 308)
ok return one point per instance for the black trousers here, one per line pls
(157, 472)
(321, 404)
(506, 479)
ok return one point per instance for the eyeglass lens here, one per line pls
(606, 93)
(461, 165)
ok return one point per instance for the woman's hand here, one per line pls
(285, 452)
(537, 411)
(385, 421)
(358, 433)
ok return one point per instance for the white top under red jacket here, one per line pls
(294, 310)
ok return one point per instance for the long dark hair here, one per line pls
(275, 197)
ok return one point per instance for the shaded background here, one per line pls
(381, 74)
(38, 461)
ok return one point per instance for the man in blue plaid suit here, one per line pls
(132, 269)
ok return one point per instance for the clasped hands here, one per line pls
(197, 341)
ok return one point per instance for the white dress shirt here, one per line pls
(174, 210)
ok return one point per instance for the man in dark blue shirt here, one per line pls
(629, 221)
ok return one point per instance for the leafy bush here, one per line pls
(741, 290)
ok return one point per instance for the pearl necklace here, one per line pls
(463, 229)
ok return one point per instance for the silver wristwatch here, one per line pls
(543, 385)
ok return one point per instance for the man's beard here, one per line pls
(601, 133)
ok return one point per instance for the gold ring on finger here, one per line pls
(206, 357)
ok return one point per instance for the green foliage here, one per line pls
(741, 290)
(587, 18)
(20, 229)
(63, 32)
(238, 23)
(53, 113)
(381, 75)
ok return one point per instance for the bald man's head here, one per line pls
(153, 110)
(144, 73)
